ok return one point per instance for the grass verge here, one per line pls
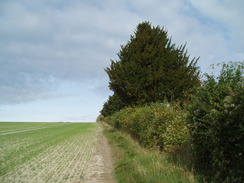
(134, 164)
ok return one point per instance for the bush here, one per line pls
(155, 126)
(217, 126)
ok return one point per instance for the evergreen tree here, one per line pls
(113, 105)
(150, 69)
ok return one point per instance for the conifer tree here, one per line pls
(113, 105)
(151, 69)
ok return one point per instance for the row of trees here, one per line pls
(208, 134)
(151, 81)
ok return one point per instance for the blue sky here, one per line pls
(53, 52)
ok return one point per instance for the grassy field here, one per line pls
(138, 165)
(45, 152)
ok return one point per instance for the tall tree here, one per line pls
(113, 105)
(150, 68)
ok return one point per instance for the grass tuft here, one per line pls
(134, 164)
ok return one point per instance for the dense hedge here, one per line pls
(158, 125)
(217, 126)
(214, 125)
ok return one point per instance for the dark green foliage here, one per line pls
(157, 126)
(151, 69)
(113, 105)
(217, 126)
(99, 118)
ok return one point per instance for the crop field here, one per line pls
(45, 152)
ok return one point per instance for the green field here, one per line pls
(45, 152)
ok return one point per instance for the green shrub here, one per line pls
(217, 126)
(155, 126)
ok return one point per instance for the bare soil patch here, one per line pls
(100, 169)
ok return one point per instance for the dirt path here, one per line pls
(101, 166)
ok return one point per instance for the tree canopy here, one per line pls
(113, 104)
(151, 69)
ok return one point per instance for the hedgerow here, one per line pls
(154, 126)
(213, 125)
(217, 126)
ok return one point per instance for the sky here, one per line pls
(53, 52)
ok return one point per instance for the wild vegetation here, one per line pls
(217, 125)
(161, 103)
(45, 152)
(154, 126)
(136, 164)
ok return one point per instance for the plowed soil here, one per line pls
(83, 157)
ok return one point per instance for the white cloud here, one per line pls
(226, 18)
(46, 43)
(57, 43)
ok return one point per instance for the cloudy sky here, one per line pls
(53, 52)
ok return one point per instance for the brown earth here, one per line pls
(100, 169)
